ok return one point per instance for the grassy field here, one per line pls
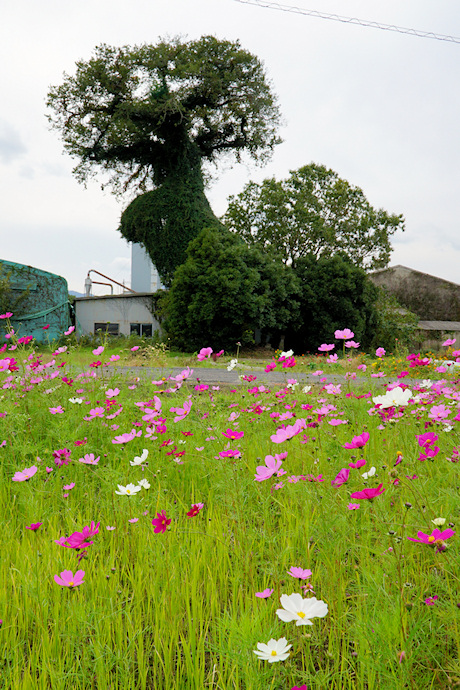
(251, 491)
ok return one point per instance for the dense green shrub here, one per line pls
(335, 294)
(396, 327)
(225, 291)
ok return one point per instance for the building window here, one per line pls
(109, 328)
(143, 329)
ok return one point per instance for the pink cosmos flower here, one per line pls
(229, 453)
(299, 573)
(351, 343)
(431, 600)
(341, 478)
(439, 412)
(368, 493)
(99, 350)
(70, 330)
(436, 538)
(265, 594)
(68, 579)
(112, 392)
(204, 353)
(133, 520)
(380, 352)
(301, 687)
(346, 334)
(358, 441)
(126, 438)
(68, 487)
(333, 389)
(353, 506)
(89, 459)
(270, 366)
(34, 526)
(325, 348)
(286, 433)
(449, 341)
(25, 474)
(272, 465)
(332, 359)
(195, 509)
(56, 410)
(356, 465)
(161, 522)
(181, 412)
(6, 315)
(114, 358)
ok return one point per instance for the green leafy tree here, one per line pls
(315, 212)
(225, 291)
(150, 116)
(335, 294)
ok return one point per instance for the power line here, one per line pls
(349, 20)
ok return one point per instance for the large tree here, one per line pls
(313, 211)
(149, 116)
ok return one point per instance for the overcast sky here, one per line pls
(382, 109)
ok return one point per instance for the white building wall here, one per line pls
(123, 309)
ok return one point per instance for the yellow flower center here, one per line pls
(431, 539)
(70, 584)
(128, 491)
(301, 614)
(273, 652)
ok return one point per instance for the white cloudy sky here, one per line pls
(380, 108)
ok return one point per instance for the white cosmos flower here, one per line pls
(306, 389)
(76, 401)
(301, 610)
(426, 383)
(366, 475)
(287, 354)
(394, 398)
(139, 461)
(128, 490)
(274, 650)
(232, 364)
(144, 483)
(438, 521)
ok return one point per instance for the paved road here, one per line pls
(217, 375)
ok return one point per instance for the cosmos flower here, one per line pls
(26, 474)
(274, 650)
(68, 579)
(128, 490)
(264, 594)
(161, 522)
(301, 610)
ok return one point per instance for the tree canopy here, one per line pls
(314, 211)
(148, 116)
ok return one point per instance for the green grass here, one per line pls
(178, 610)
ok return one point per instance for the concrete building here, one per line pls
(122, 314)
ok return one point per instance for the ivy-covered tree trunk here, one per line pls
(166, 219)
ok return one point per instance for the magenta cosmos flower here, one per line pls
(77, 540)
(341, 478)
(368, 493)
(436, 538)
(161, 522)
(195, 509)
(68, 579)
(34, 526)
(25, 474)
(358, 441)
(233, 435)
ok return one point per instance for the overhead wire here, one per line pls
(350, 20)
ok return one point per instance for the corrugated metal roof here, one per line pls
(439, 325)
